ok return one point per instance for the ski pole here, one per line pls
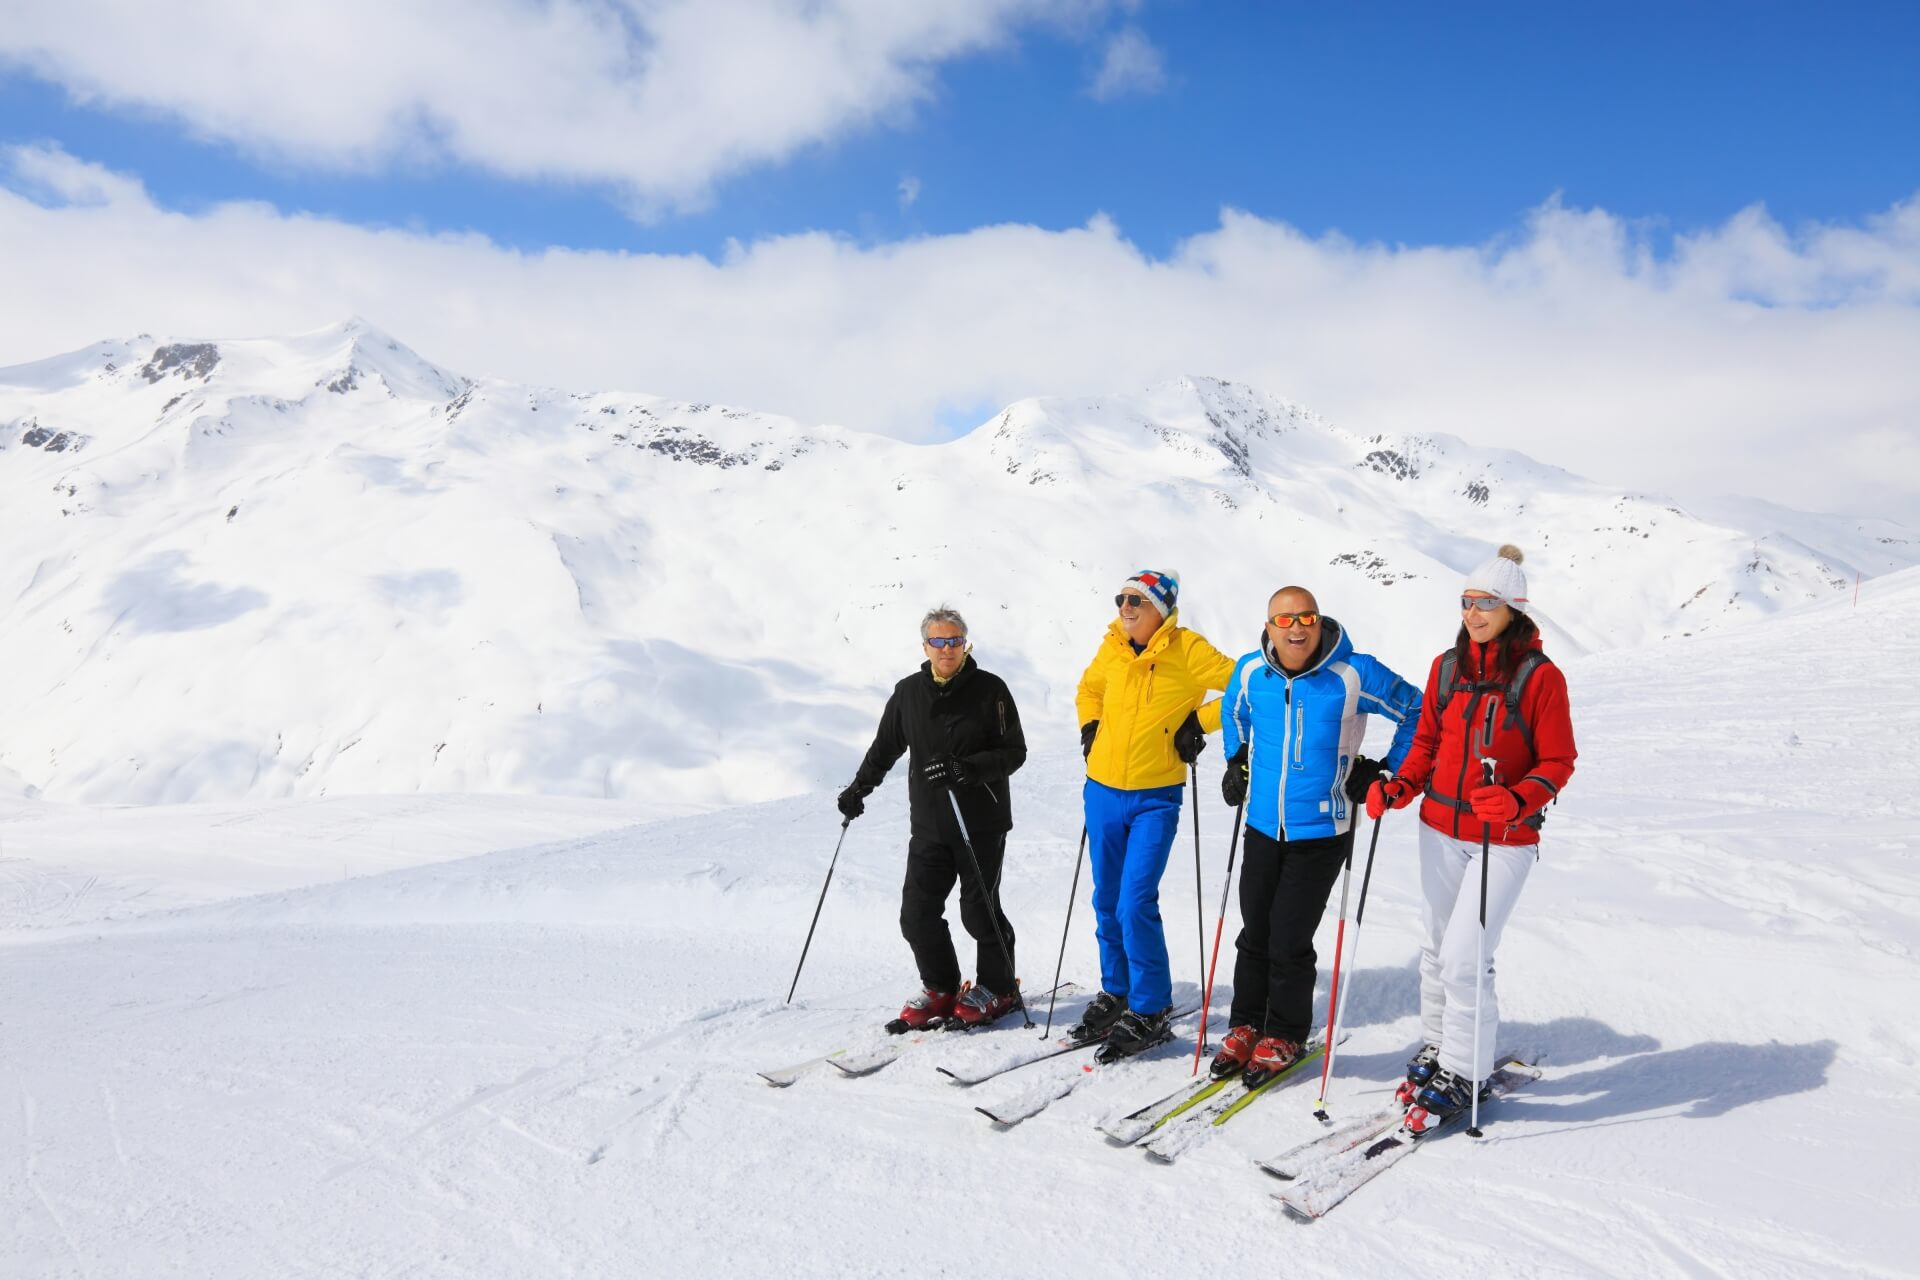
(1333, 991)
(1054, 994)
(1199, 919)
(1480, 970)
(992, 891)
(1206, 1001)
(1359, 917)
(844, 824)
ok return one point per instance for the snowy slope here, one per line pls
(322, 566)
(540, 1061)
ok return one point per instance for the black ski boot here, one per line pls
(1136, 1033)
(1098, 1020)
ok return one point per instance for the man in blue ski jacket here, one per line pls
(1295, 715)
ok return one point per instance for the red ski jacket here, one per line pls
(1531, 745)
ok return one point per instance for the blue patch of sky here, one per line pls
(1399, 122)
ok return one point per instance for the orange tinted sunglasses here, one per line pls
(1284, 620)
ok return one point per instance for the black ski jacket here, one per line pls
(972, 716)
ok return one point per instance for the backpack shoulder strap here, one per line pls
(1530, 662)
(1449, 664)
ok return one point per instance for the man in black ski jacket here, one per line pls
(963, 732)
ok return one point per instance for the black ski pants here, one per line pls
(933, 865)
(1283, 893)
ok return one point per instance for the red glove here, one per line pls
(1494, 805)
(1389, 793)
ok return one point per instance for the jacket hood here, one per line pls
(1335, 646)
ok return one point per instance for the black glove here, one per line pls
(950, 772)
(1361, 777)
(852, 802)
(1189, 740)
(1087, 731)
(1233, 783)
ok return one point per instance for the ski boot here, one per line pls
(1234, 1052)
(929, 1008)
(1101, 1014)
(1440, 1099)
(1271, 1056)
(1420, 1069)
(980, 1006)
(1135, 1033)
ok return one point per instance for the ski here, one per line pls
(781, 1077)
(1331, 1181)
(1128, 1128)
(1298, 1162)
(879, 1049)
(970, 1076)
(1043, 1093)
(1198, 1124)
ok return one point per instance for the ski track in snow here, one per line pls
(541, 1061)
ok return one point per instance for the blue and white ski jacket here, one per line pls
(1305, 730)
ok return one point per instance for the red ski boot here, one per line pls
(929, 1008)
(1235, 1050)
(979, 1006)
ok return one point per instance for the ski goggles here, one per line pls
(1128, 600)
(1308, 618)
(945, 642)
(1485, 604)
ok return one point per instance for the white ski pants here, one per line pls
(1450, 952)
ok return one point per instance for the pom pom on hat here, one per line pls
(1501, 577)
(1160, 586)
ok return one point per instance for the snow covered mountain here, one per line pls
(270, 568)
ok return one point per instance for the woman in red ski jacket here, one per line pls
(1494, 699)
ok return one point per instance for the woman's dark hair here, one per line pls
(1513, 642)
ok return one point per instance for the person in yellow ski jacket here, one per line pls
(1144, 717)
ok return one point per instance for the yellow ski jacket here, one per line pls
(1141, 699)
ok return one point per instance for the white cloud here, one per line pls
(1751, 359)
(1131, 64)
(660, 98)
(909, 191)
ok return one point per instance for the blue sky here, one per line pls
(1672, 246)
(1406, 123)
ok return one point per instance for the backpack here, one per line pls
(1510, 690)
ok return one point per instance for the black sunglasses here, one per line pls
(1126, 599)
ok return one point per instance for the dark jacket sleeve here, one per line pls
(1009, 750)
(889, 744)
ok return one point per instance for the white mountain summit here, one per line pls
(274, 567)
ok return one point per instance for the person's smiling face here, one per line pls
(1295, 643)
(1483, 625)
(1138, 616)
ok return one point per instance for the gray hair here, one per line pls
(942, 613)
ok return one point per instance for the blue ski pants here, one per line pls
(1130, 834)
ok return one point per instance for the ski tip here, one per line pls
(998, 1122)
(774, 1081)
(1295, 1213)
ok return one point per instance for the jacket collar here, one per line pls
(1160, 639)
(1334, 645)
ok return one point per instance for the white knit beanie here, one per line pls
(1501, 577)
